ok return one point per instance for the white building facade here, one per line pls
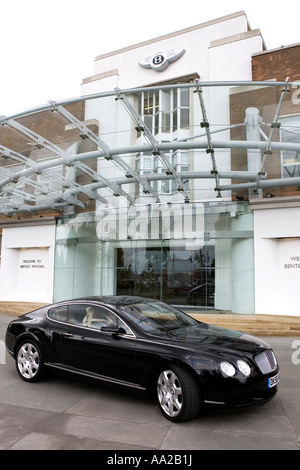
(165, 170)
(184, 246)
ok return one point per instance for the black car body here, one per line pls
(147, 345)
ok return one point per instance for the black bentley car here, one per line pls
(147, 345)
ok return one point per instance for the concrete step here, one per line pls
(263, 325)
(19, 308)
(258, 325)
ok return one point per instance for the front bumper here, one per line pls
(236, 393)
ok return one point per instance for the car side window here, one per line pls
(59, 313)
(77, 313)
(97, 316)
(91, 316)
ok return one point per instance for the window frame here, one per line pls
(129, 333)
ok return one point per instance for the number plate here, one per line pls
(272, 381)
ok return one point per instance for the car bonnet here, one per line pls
(204, 336)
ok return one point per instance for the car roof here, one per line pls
(116, 300)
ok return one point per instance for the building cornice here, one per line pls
(278, 49)
(171, 35)
(275, 203)
(236, 37)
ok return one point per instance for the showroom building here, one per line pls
(174, 176)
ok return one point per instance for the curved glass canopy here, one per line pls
(175, 143)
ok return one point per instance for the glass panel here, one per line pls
(174, 159)
(148, 122)
(148, 103)
(189, 276)
(156, 120)
(156, 102)
(77, 314)
(139, 103)
(174, 99)
(195, 255)
(290, 132)
(184, 118)
(138, 164)
(147, 162)
(165, 122)
(185, 157)
(165, 185)
(166, 110)
(59, 314)
(184, 97)
(175, 120)
(166, 101)
(139, 271)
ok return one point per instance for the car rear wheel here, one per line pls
(29, 361)
(179, 396)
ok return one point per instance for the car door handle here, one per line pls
(86, 339)
(67, 335)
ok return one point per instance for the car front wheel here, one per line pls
(179, 396)
(29, 361)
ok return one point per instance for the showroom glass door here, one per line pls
(176, 274)
(189, 276)
(139, 271)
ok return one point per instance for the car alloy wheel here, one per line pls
(29, 361)
(179, 396)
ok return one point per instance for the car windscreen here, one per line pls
(157, 317)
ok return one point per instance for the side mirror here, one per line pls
(114, 329)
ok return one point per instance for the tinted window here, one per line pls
(94, 316)
(59, 314)
(157, 317)
(77, 314)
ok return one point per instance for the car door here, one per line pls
(88, 349)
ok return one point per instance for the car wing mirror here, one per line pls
(114, 329)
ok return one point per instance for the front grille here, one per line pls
(266, 361)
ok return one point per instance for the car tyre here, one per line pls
(178, 394)
(29, 361)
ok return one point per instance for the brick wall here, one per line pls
(265, 99)
(280, 64)
(277, 64)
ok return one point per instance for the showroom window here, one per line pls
(166, 114)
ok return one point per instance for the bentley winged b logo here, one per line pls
(161, 60)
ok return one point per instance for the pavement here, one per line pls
(67, 414)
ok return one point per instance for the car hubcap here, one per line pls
(28, 360)
(169, 393)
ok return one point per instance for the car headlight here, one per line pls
(227, 368)
(244, 368)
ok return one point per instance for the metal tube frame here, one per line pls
(68, 195)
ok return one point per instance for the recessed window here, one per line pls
(164, 113)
